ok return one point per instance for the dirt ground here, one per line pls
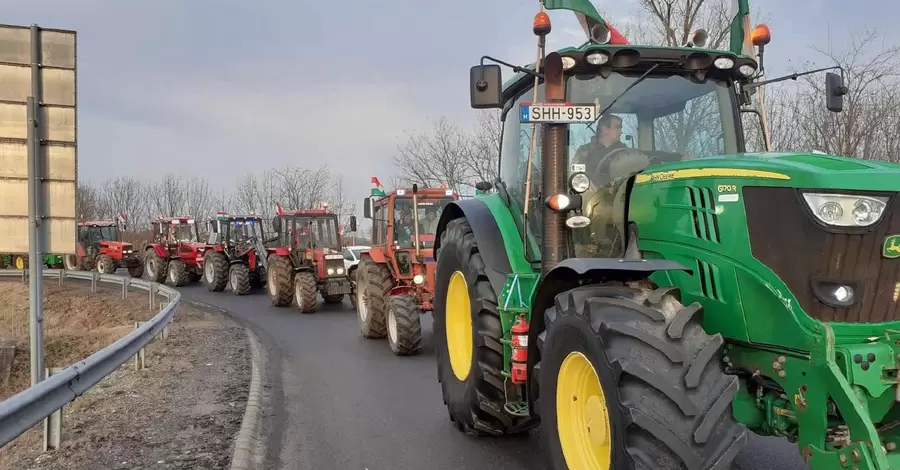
(183, 411)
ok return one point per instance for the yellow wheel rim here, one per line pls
(459, 326)
(582, 418)
(20, 263)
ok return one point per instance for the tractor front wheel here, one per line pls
(178, 273)
(306, 294)
(156, 266)
(136, 270)
(629, 379)
(468, 338)
(105, 265)
(370, 292)
(215, 271)
(239, 278)
(280, 278)
(404, 325)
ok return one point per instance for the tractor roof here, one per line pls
(422, 192)
(176, 220)
(309, 212)
(227, 216)
(97, 223)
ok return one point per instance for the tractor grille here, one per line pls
(337, 286)
(334, 264)
(784, 236)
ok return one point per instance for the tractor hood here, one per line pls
(797, 170)
(118, 245)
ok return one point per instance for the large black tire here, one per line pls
(306, 293)
(178, 273)
(351, 275)
(668, 397)
(156, 267)
(72, 263)
(239, 278)
(105, 265)
(370, 293)
(136, 271)
(476, 404)
(404, 325)
(194, 274)
(215, 271)
(280, 280)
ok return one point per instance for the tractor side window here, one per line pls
(516, 146)
(379, 225)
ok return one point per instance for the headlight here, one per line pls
(723, 63)
(579, 182)
(597, 58)
(330, 271)
(419, 279)
(846, 210)
(340, 270)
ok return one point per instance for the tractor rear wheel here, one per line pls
(629, 379)
(21, 262)
(72, 263)
(468, 338)
(156, 266)
(404, 325)
(370, 293)
(239, 278)
(105, 265)
(178, 273)
(351, 274)
(280, 279)
(306, 293)
(215, 271)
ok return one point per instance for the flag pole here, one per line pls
(542, 42)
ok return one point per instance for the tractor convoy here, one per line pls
(646, 306)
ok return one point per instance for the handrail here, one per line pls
(22, 411)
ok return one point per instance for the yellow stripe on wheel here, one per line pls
(459, 326)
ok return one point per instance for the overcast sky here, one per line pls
(220, 88)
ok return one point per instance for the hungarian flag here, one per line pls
(122, 217)
(588, 16)
(278, 209)
(377, 188)
(740, 42)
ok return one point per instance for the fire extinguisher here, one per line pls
(519, 370)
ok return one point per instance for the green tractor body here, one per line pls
(691, 293)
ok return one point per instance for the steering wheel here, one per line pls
(640, 161)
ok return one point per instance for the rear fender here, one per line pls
(571, 273)
(80, 251)
(280, 251)
(158, 250)
(402, 290)
(487, 235)
(376, 254)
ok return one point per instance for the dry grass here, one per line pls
(77, 323)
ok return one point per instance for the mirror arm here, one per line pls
(795, 76)
(515, 68)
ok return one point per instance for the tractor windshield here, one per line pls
(427, 214)
(243, 230)
(317, 232)
(184, 232)
(664, 118)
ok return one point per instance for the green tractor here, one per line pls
(647, 306)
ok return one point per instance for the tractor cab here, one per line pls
(95, 231)
(232, 230)
(172, 231)
(236, 254)
(99, 246)
(315, 230)
(176, 252)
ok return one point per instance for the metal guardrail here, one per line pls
(22, 411)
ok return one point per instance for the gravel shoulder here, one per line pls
(183, 411)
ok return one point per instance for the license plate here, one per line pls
(562, 113)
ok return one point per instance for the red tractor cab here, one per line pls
(99, 246)
(236, 256)
(395, 279)
(176, 252)
(306, 259)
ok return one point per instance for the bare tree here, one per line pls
(198, 198)
(169, 196)
(127, 195)
(88, 202)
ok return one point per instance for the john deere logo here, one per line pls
(891, 247)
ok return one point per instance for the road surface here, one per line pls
(348, 403)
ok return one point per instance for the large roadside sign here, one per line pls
(38, 63)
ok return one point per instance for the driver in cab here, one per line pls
(607, 139)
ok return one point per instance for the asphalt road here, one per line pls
(349, 404)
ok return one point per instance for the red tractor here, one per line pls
(395, 279)
(236, 255)
(99, 246)
(175, 252)
(306, 259)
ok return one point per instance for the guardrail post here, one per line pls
(94, 282)
(125, 283)
(62, 275)
(24, 276)
(140, 359)
(53, 423)
(153, 288)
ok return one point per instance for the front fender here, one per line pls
(488, 236)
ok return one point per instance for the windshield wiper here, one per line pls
(626, 90)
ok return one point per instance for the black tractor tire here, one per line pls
(215, 271)
(136, 271)
(73, 263)
(371, 290)
(157, 267)
(668, 396)
(306, 293)
(178, 273)
(258, 277)
(404, 325)
(105, 265)
(476, 404)
(239, 278)
(333, 299)
(194, 274)
(280, 280)
(351, 275)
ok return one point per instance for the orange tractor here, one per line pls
(305, 259)
(394, 281)
(176, 251)
(99, 246)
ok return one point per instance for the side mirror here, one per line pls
(368, 207)
(483, 186)
(834, 92)
(352, 223)
(415, 188)
(485, 86)
(276, 224)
